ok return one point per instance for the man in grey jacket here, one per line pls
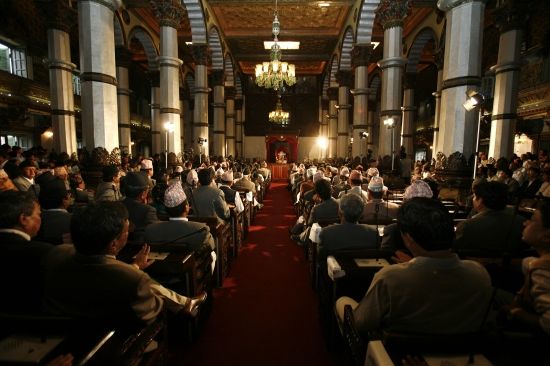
(208, 200)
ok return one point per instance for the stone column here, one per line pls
(409, 111)
(123, 59)
(360, 56)
(60, 19)
(239, 127)
(372, 121)
(324, 118)
(345, 80)
(391, 13)
(169, 14)
(461, 72)
(332, 93)
(230, 92)
(509, 19)
(438, 59)
(201, 55)
(218, 79)
(183, 105)
(98, 78)
(156, 125)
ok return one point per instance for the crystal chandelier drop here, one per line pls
(274, 74)
(278, 116)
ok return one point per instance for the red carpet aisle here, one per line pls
(266, 312)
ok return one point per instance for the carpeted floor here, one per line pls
(266, 312)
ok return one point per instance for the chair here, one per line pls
(355, 346)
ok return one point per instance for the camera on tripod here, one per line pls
(201, 140)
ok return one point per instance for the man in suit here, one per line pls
(109, 189)
(179, 230)
(494, 228)
(54, 200)
(22, 268)
(136, 190)
(376, 209)
(326, 207)
(355, 181)
(245, 183)
(231, 196)
(25, 181)
(435, 292)
(349, 234)
(85, 280)
(208, 200)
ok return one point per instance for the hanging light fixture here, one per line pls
(275, 73)
(279, 116)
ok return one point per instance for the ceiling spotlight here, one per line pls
(363, 135)
(475, 99)
(389, 122)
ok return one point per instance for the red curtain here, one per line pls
(286, 143)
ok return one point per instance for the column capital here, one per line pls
(169, 12)
(218, 77)
(345, 78)
(332, 93)
(511, 15)
(409, 80)
(154, 76)
(446, 5)
(201, 54)
(230, 92)
(238, 104)
(123, 56)
(360, 55)
(60, 15)
(392, 13)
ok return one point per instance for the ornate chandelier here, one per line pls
(274, 74)
(279, 116)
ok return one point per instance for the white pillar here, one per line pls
(509, 19)
(332, 93)
(98, 78)
(156, 125)
(200, 112)
(461, 72)
(123, 59)
(218, 79)
(360, 58)
(61, 84)
(391, 14)
(437, 94)
(345, 80)
(230, 93)
(409, 111)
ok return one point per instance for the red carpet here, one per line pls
(266, 312)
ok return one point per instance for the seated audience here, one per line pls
(349, 234)
(494, 228)
(179, 230)
(376, 208)
(544, 190)
(245, 183)
(22, 270)
(355, 181)
(326, 206)
(136, 189)
(433, 293)
(531, 306)
(5, 182)
(87, 281)
(531, 185)
(208, 200)
(25, 181)
(109, 189)
(54, 200)
(231, 196)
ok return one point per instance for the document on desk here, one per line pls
(371, 262)
(456, 360)
(26, 349)
(158, 255)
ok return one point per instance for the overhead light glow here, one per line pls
(284, 45)
(374, 45)
(324, 4)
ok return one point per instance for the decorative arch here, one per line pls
(148, 45)
(333, 71)
(374, 85)
(215, 45)
(366, 21)
(229, 71)
(119, 34)
(326, 85)
(238, 86)
(415, 51)
(195, 14)
(345, 54)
